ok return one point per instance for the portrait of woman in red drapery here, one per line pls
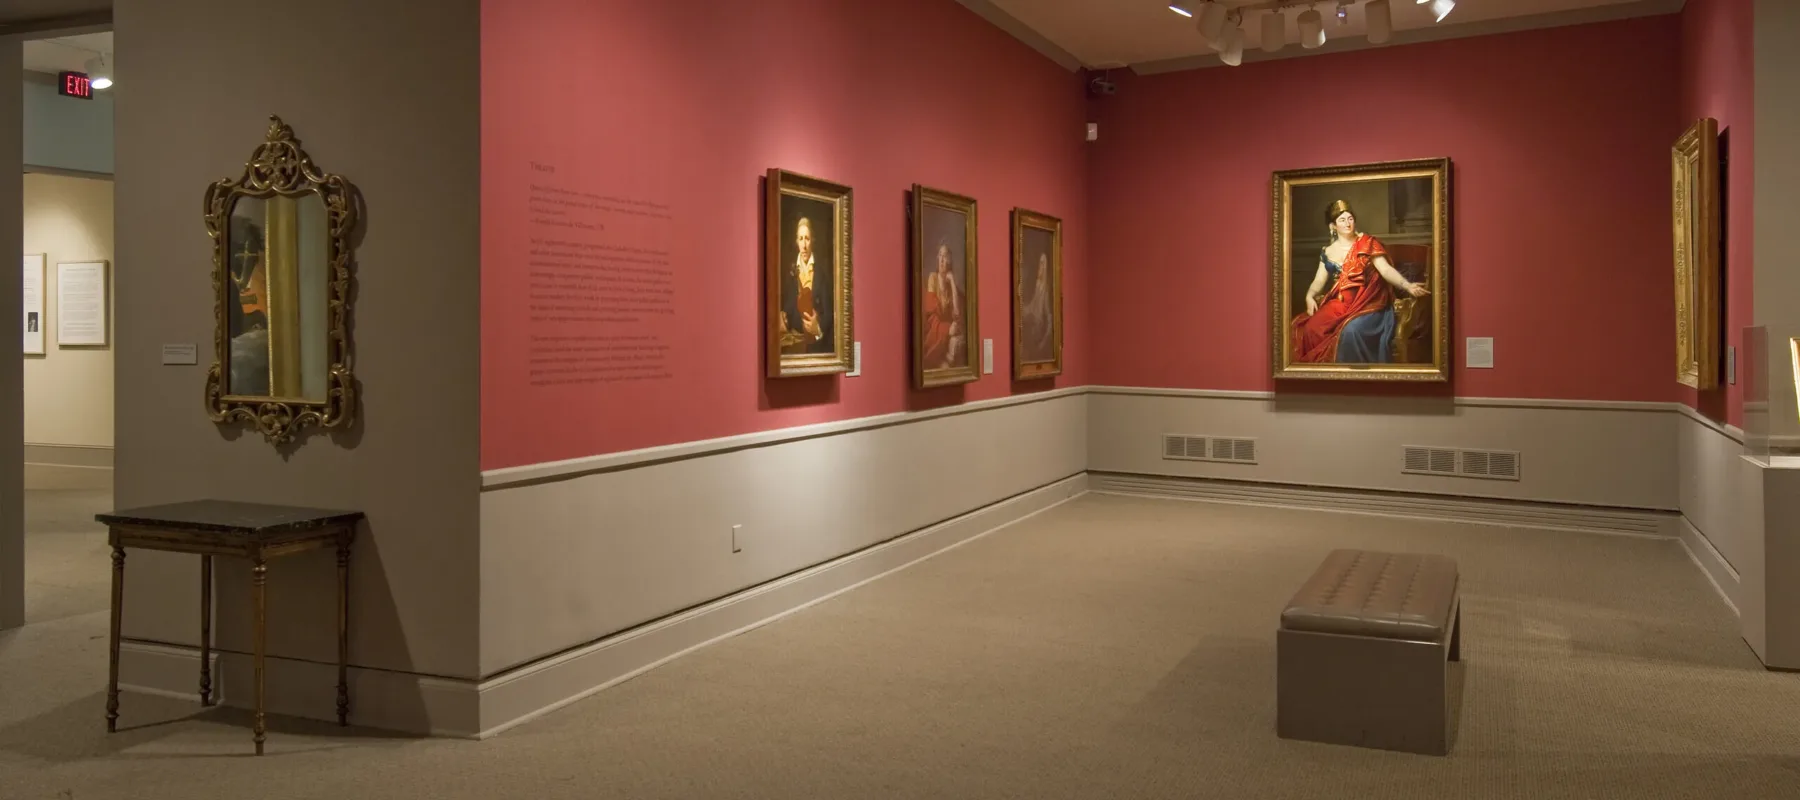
(1349, 315)
(941, 309)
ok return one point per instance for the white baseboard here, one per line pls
(1509, 513)
(446, 707)
(1712, 564)
(68, 466)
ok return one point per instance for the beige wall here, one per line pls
(69, 391)
(1777, 281)
(12, 429)
(567, 562)
(387, 96)
(1620, 455)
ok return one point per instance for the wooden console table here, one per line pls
(254, 531)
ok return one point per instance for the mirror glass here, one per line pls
(279, 257)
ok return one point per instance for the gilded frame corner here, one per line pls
(779, 182)
(1695, 212)
(1022, 220)
(280, 166)
(1281, 227)
(923, 376)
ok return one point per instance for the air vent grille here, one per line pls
(1492, 464)
(1183, 447)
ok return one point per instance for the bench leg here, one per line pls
(1456, 634)
(1388, 694)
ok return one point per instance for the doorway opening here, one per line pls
(67, 322)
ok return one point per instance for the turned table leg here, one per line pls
(206, 584)
(259, 581)
(343, 621)
(112, 664)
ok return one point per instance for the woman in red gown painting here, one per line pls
(942, 308)
(1349, 315)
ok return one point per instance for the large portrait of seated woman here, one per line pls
(1360, 272)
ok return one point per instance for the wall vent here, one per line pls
(1493, 464)
(1182, 447)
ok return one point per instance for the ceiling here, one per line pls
(23, 17)
(1146, 36)
(66, 52)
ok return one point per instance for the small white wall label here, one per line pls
(180, 354)
(1731, 365)
(987, 356)
(1480, 352)
(855, 360)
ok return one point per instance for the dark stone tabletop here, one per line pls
(230, 516)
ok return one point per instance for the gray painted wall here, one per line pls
(65, 133)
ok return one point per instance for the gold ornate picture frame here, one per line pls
(807, 273)
(1359, 272)
(282, 249)
(1694, 176)
(946, 289)
(1037, 295)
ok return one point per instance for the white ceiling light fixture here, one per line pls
(1181, 8)
(1274, 31)
(1379, 20)
(1441, 9)
(1312, 28)
(99, 72)
(1211, 22)
(1231, 47)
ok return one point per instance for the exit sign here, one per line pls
(75, 84)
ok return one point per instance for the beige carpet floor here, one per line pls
(1111, 647)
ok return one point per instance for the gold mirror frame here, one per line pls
(1694, 175)
(280, 167)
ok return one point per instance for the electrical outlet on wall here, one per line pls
(737, 543)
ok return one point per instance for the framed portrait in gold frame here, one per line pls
(1359, 272)
(946, 285)
(807, 275)
(1694, 175)
(1037, 293)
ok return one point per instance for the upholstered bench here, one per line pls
(1362, 656)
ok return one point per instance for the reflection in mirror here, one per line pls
(279, 251)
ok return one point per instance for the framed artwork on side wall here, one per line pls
(33, 321)
(807, 275)
(1360, 272)
(81, 304)
(1694, 174)
(1037, 292)
(946, 329)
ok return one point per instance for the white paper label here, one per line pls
(987, 356)
(180, 354)
(855, 360)
(1481, 352)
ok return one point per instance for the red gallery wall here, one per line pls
(668, 114)
(1559, 140)
(1717, 70)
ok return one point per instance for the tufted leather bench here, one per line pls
(1363, 652)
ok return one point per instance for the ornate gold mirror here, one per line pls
(281, 292)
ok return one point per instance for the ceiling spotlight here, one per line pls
(1441, 9)
(1181, 8)
(99, 72)
(1379, 20)
(1231, 50)
(1274, 31)
(1312, 28)
(1212, 22)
